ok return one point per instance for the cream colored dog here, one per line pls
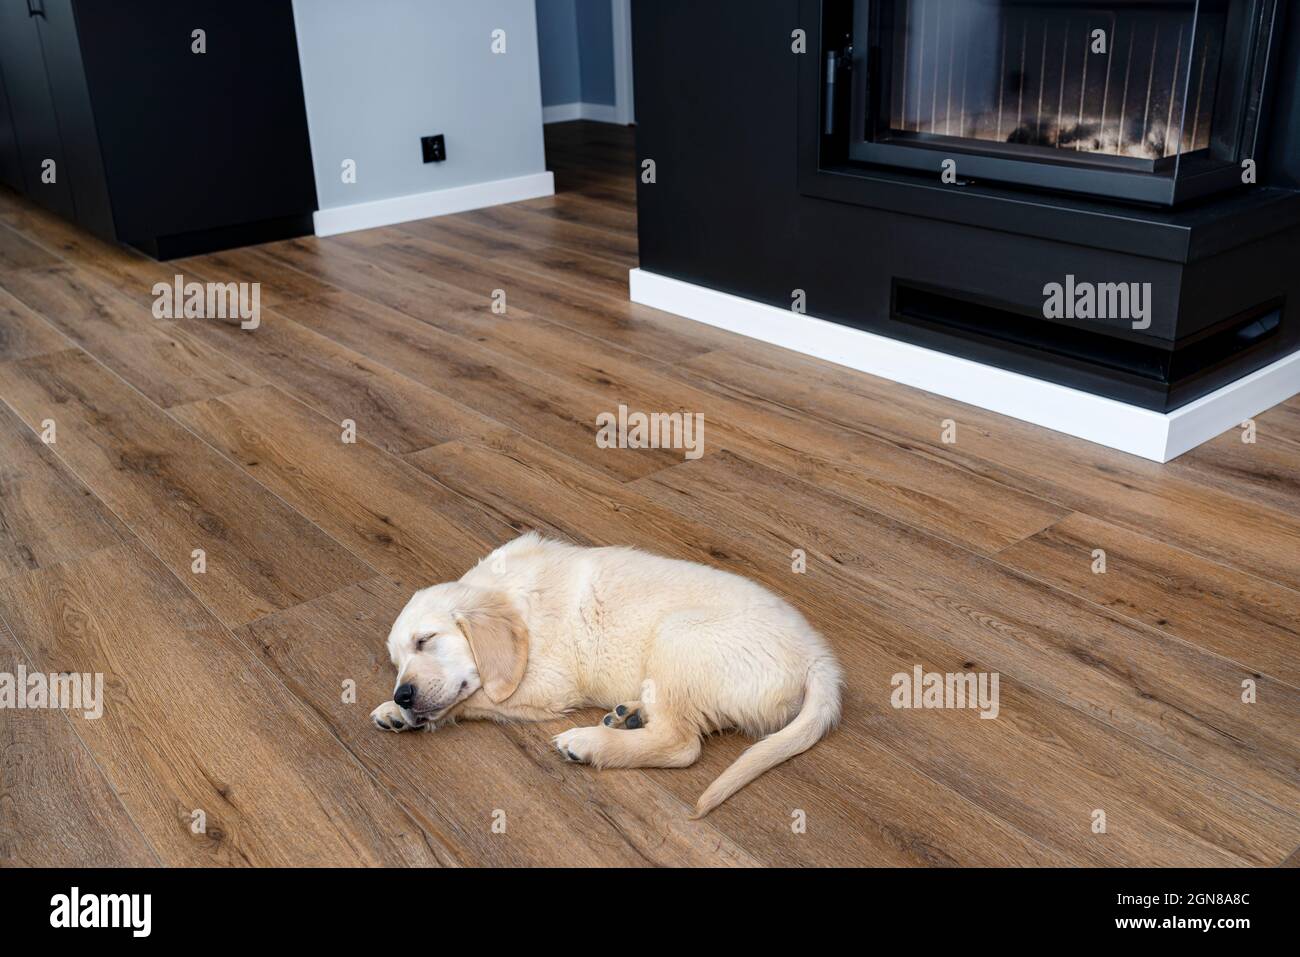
(539, 628)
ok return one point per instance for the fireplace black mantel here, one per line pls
(761, 192)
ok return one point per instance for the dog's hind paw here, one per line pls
(625, 717)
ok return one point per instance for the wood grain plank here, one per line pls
(1142, 496)
(927, 492)
(277, 282)
(502, 230)
(158, 357)
(1246, 619)
(175, 493)
(23, 333)
(569, 208)
(46, 515)
(649, 332)
(395, 412)
(126, 270)
(56, 808)
(380, 507)
(193, 721)
(1266, 471)
(18, 253)
(459, 779)
(559, 411)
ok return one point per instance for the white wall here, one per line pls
(380, 74)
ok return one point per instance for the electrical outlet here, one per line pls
(435, 148)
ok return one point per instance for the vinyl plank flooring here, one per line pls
(158, 357)
(926, 492)
(1198, 601)
(929, 493)
(1120, 489)
(397, 337)
(495, 234)
(192, 721)
(18, 253)
(381, 508)
(1266, 471)
(395, 412)
(46, 515)
(56, 808)
(23, 333)
(277, 282)
(175, 493)
(555, 410)
(567, 208)
(130, 272)
(649, 332)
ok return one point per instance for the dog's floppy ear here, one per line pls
(498, 639)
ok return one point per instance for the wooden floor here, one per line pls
(227, 691)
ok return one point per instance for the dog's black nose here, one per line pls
(404, 695)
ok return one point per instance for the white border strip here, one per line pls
(441, 202)
(596, 112)
(1117, 425)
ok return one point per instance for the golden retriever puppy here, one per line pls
(675, 649)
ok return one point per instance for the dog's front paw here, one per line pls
(388, 717)
(577, 744)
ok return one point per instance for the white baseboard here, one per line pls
(441, 202)
(1117, 425)
(564, 112)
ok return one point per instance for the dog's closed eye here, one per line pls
(419, 643)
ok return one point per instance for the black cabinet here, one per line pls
(153, 142)
(40, 157)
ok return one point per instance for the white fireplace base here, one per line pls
(1152, 435)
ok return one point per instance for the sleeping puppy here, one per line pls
(676, 650)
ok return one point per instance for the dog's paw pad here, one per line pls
(625, 717)
(388, 717)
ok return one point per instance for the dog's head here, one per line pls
(451, 640)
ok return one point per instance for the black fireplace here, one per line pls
(928, 169)
(1147, 100)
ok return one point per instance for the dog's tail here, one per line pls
(818, 715)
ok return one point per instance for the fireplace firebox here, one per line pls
(1152, 101)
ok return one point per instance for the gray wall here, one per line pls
(379, 74)
(557, 41)
(576, 38)
(596, 50)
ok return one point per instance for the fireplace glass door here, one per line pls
(1154, 101)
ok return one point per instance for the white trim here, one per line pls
(440, 202)
(621, 14)
(564, 112)
(1117, 425)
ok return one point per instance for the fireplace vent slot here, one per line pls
(939, 311)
